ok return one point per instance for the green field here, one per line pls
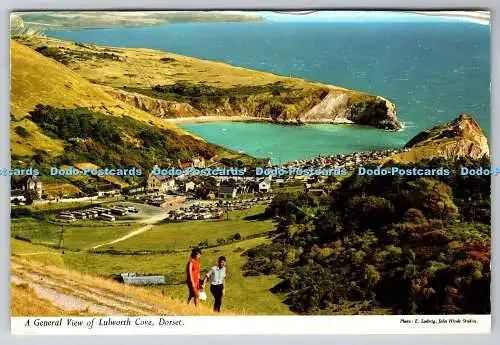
(40, 253)
(79, 235)
(183, 235)
(60, 206)
(246, 295)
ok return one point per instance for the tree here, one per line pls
(237, 236)
(434, 198)
(327, 226)
(21, 131)
(31, 195)
(367, 212)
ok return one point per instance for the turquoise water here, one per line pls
(431, 68)
(285, 143)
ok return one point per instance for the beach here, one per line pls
(240, 118)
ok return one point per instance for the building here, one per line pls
(316, 193)
(109, 189)
(184, 165)
(227, 192)
(157, 183)
(189, 186)
(136, 190)
(199, 163)
(32, 183)
(265, 185)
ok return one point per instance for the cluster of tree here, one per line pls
(115, 141)
(67, 55)
(21, 131)
(412, 245)
(204, 186)
(232, 162)
(186, 89)
(220, 241)
(54, 53)
(30, 196)
(167, 59)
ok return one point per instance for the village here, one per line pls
(167, 191)
(165, 200)
(156, 190)
(348, 161)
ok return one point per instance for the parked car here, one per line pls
(107, 217)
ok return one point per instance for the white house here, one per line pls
(32, 183)
(265, 185)
(190, 186)
(109, 189)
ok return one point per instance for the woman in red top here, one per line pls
(193, 276)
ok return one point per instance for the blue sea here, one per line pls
(431, 68)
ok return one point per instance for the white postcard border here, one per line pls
(255, 325)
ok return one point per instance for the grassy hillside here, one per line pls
(25, 302)
(140, 67)
(79, 236)
(462, 137)
(245, 295)
(38, 80)
(187, 86)
(54, 291)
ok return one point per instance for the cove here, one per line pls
(284, 143)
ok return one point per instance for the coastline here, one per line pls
(241, 118)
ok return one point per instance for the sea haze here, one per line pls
(432, 69)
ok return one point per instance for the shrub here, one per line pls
(203, 244)
(221, 241)
(237, 236)
(21, 131)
